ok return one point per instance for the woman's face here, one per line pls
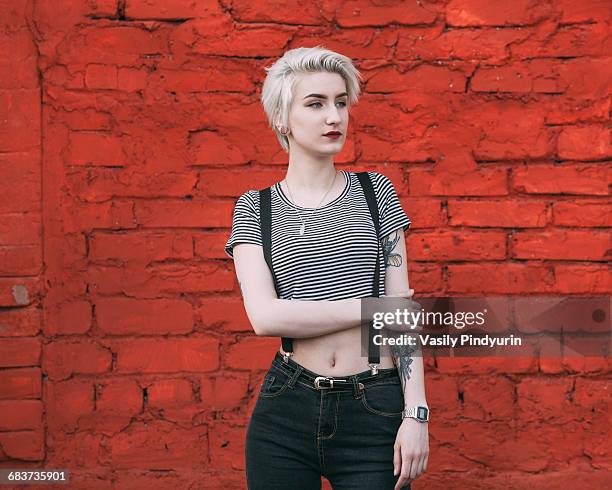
(311, 116)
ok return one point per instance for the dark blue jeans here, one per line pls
(298, 432)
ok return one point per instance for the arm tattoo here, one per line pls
(402, 356)
(388, 246)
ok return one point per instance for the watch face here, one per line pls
(422, 413)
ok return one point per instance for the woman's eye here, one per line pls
(319, 103)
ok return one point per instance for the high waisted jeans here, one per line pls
(298, 432)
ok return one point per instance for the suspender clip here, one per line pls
(373, 367)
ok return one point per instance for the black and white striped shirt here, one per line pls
(336, 257)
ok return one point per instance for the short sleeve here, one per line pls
(391, 213)
(245, 222)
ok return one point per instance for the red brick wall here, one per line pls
(127, 130)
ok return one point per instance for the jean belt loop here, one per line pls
(295, 376)
(357, 387)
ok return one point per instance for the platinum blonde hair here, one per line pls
(278, 87)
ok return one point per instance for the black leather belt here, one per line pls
(325, 382)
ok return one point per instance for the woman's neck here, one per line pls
(306, 179)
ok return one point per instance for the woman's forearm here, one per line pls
(409, 362)
(304, 319)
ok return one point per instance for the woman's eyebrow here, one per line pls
(320, 96)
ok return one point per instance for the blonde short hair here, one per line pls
(278, 88)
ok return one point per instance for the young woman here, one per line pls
(303, 267)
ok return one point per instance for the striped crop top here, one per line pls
(336, 257)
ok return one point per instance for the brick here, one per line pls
(210, 245)
(131, 80)
(593, 394)
(20, 322)
(157, 9)
(20, 414)
(561, 179)
(424, 213)
(251, 353)
(66, 403)
(375, 148)
(582, 278)
(483, 183)
(101, 8)
(118, 396)
(159, 445)
(513, 132)
(72, 317)
(20, 383)
(487, 398)
(23, 445)
(167, 355)
(227, 313)
(94, 148)
(461, 245)
(111, 215)
(489, 213)
(597, 84)
(584, 143)
(138, 246)
(482, 13)
(536, 76)
(15, 230)
(582, 213)
(20, 260)
(523, 360)
(443, 393)
(544, 399)
(227, 445)
(23, 167)
(555, 41)
(101, 77)
(184, 213)
(226, 391)
(586, 11)
(561, 244)
(15, 352)
(122, 316)
(63, 358)
(228, 182)
(433, 44)
(99, 184)
(166, 278)
(425, 278)
(422, 78)
(170, 392)
(503, 278)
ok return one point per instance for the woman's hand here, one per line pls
(402, 301)
(410, 452)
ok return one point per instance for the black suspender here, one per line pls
(366, 184)
(265, 216)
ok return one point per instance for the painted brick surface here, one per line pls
(125, 351)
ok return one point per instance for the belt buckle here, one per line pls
(318, 379)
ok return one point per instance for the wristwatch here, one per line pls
(418, 412)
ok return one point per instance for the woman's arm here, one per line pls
(408, 359)
(411, 448)
(274, 317)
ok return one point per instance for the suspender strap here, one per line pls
(368, 189)
(265, 216)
